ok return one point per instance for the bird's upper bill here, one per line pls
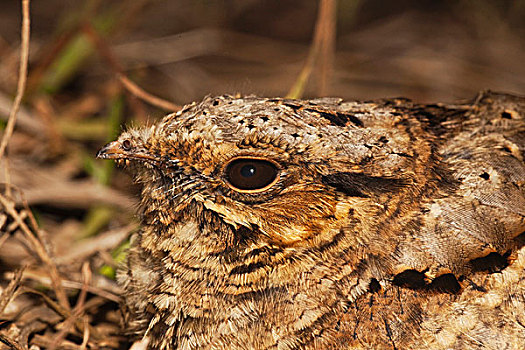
(122, 149)
(112, 150)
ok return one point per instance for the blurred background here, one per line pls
(97, 65)
(184, 49)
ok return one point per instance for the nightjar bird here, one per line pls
(324, 224)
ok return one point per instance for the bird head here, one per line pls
(292, 172)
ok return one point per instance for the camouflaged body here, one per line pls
(391, 225)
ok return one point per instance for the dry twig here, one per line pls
(133, 88)
(137, 91)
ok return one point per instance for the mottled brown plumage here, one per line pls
(323, 224)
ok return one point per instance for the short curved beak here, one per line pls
(112, 150)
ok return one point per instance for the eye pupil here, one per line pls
(126, 145)
(249, 174)
(248, 170)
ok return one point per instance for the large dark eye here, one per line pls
(251, 174)
(126, 145)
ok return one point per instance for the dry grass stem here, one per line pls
(327, 49)
(47, 300)
(108, 292)
(3, 237)
(137, 91)
(7, 176)
(76, 316)
(22, 77)
(10, 342)
(9, 292)
(24, 119)
(322, 43)
(39, 249)
(85, 336)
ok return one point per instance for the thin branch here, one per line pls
(133, 88)
(22, 77)
(137, 91)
